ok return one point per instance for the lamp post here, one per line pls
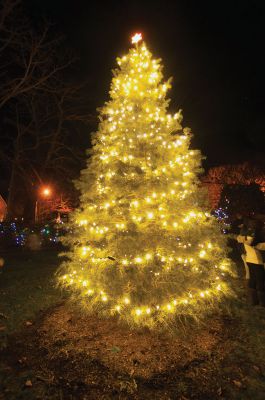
(45, 193)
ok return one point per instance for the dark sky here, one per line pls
(213, 49)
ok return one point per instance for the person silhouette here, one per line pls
(254, 243)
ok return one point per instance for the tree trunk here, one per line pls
(11, 192)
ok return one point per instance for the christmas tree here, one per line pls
(142, 244)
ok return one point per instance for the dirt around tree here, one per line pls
(65, 355)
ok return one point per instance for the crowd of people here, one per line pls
(251, 245)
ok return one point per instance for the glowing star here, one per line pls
(136, 38)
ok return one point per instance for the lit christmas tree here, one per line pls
(142, 244)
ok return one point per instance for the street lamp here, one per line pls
(45, 193)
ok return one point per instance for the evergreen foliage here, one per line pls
(143, 245)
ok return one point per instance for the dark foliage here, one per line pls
(247, 200)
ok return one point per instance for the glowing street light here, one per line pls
(45, 192)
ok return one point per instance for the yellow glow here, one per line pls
(141, 215)
(135, 203)
(202, 253)
(83, 222)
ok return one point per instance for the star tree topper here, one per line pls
(136, 38)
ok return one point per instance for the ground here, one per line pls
(51, 351)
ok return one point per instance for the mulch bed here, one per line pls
(65, 355)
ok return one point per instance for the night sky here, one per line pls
(214, 51)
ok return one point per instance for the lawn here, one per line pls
(51, 351)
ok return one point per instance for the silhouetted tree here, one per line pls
(41, 108)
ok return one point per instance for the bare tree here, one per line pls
(28, 57)
(40, 109)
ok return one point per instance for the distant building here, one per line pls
(3, 208)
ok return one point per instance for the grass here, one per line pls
(51, 351)
(27, 287)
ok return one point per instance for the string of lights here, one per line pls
(143, 244)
